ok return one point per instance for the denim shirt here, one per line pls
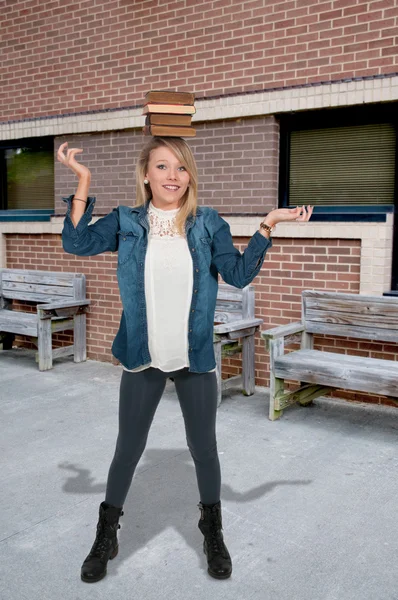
(209, 239)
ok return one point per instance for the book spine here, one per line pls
(170, 97)
(169, 131)
(176, 109)
(169, 119)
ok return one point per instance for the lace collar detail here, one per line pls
(162, 222)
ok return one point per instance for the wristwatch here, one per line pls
(267, 227)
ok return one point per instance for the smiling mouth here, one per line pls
(172, 188)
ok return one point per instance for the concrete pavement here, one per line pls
(309, 501)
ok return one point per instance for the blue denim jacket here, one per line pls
(210, 243)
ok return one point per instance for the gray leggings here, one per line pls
(140, 394)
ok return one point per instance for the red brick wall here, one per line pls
(60, 57)
(291, 266)
(237, 166)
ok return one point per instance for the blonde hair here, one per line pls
(183, 153)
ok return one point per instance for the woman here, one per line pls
(170, 252)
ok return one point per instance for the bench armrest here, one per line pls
(237, 325)
(282, 331)
(63, 308)
(63, 304)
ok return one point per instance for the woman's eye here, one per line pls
(164, 167)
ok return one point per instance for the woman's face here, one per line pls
(167, 177)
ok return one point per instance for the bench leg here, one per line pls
(44, 344)
(276, 385)
(307, 343)
(7, 340)
(79, 338)
(248, 370)
(217, 354)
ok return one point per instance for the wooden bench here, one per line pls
(335, 314)
(61, 305)
(234, 328)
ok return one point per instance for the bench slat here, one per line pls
(42, 298)
(342, 297)
(226, 317)
(36, 288)
(355, 305)
(229, 292)
(381, 335)
(228, 306)
(44, 277)
(18, 322)
(371, 321)
(359, 373)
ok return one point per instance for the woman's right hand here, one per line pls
(68, 159)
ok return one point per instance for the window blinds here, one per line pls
(343, 165)
(30, 178)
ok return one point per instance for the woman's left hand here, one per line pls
(279, 215)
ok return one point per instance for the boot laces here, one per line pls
(102, 541)
(216, 542)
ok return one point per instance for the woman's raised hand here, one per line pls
(300, 213)
(66, 156)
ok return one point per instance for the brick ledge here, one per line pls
(364, 91)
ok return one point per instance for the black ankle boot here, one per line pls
(210, 524)
(105, 545)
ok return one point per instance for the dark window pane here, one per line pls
(343, 165)
(30, 178)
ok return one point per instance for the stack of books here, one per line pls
(169, 114)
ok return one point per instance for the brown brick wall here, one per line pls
(237, 166)
(60, 57)
(291, 266)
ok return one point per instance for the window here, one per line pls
(342, 161)
(342, 165)
(27, 179)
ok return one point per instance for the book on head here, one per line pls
(169, 131)
(169, 97)
(163, 119)
(175, 109)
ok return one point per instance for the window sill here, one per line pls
(353, 213)
(26, 215)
